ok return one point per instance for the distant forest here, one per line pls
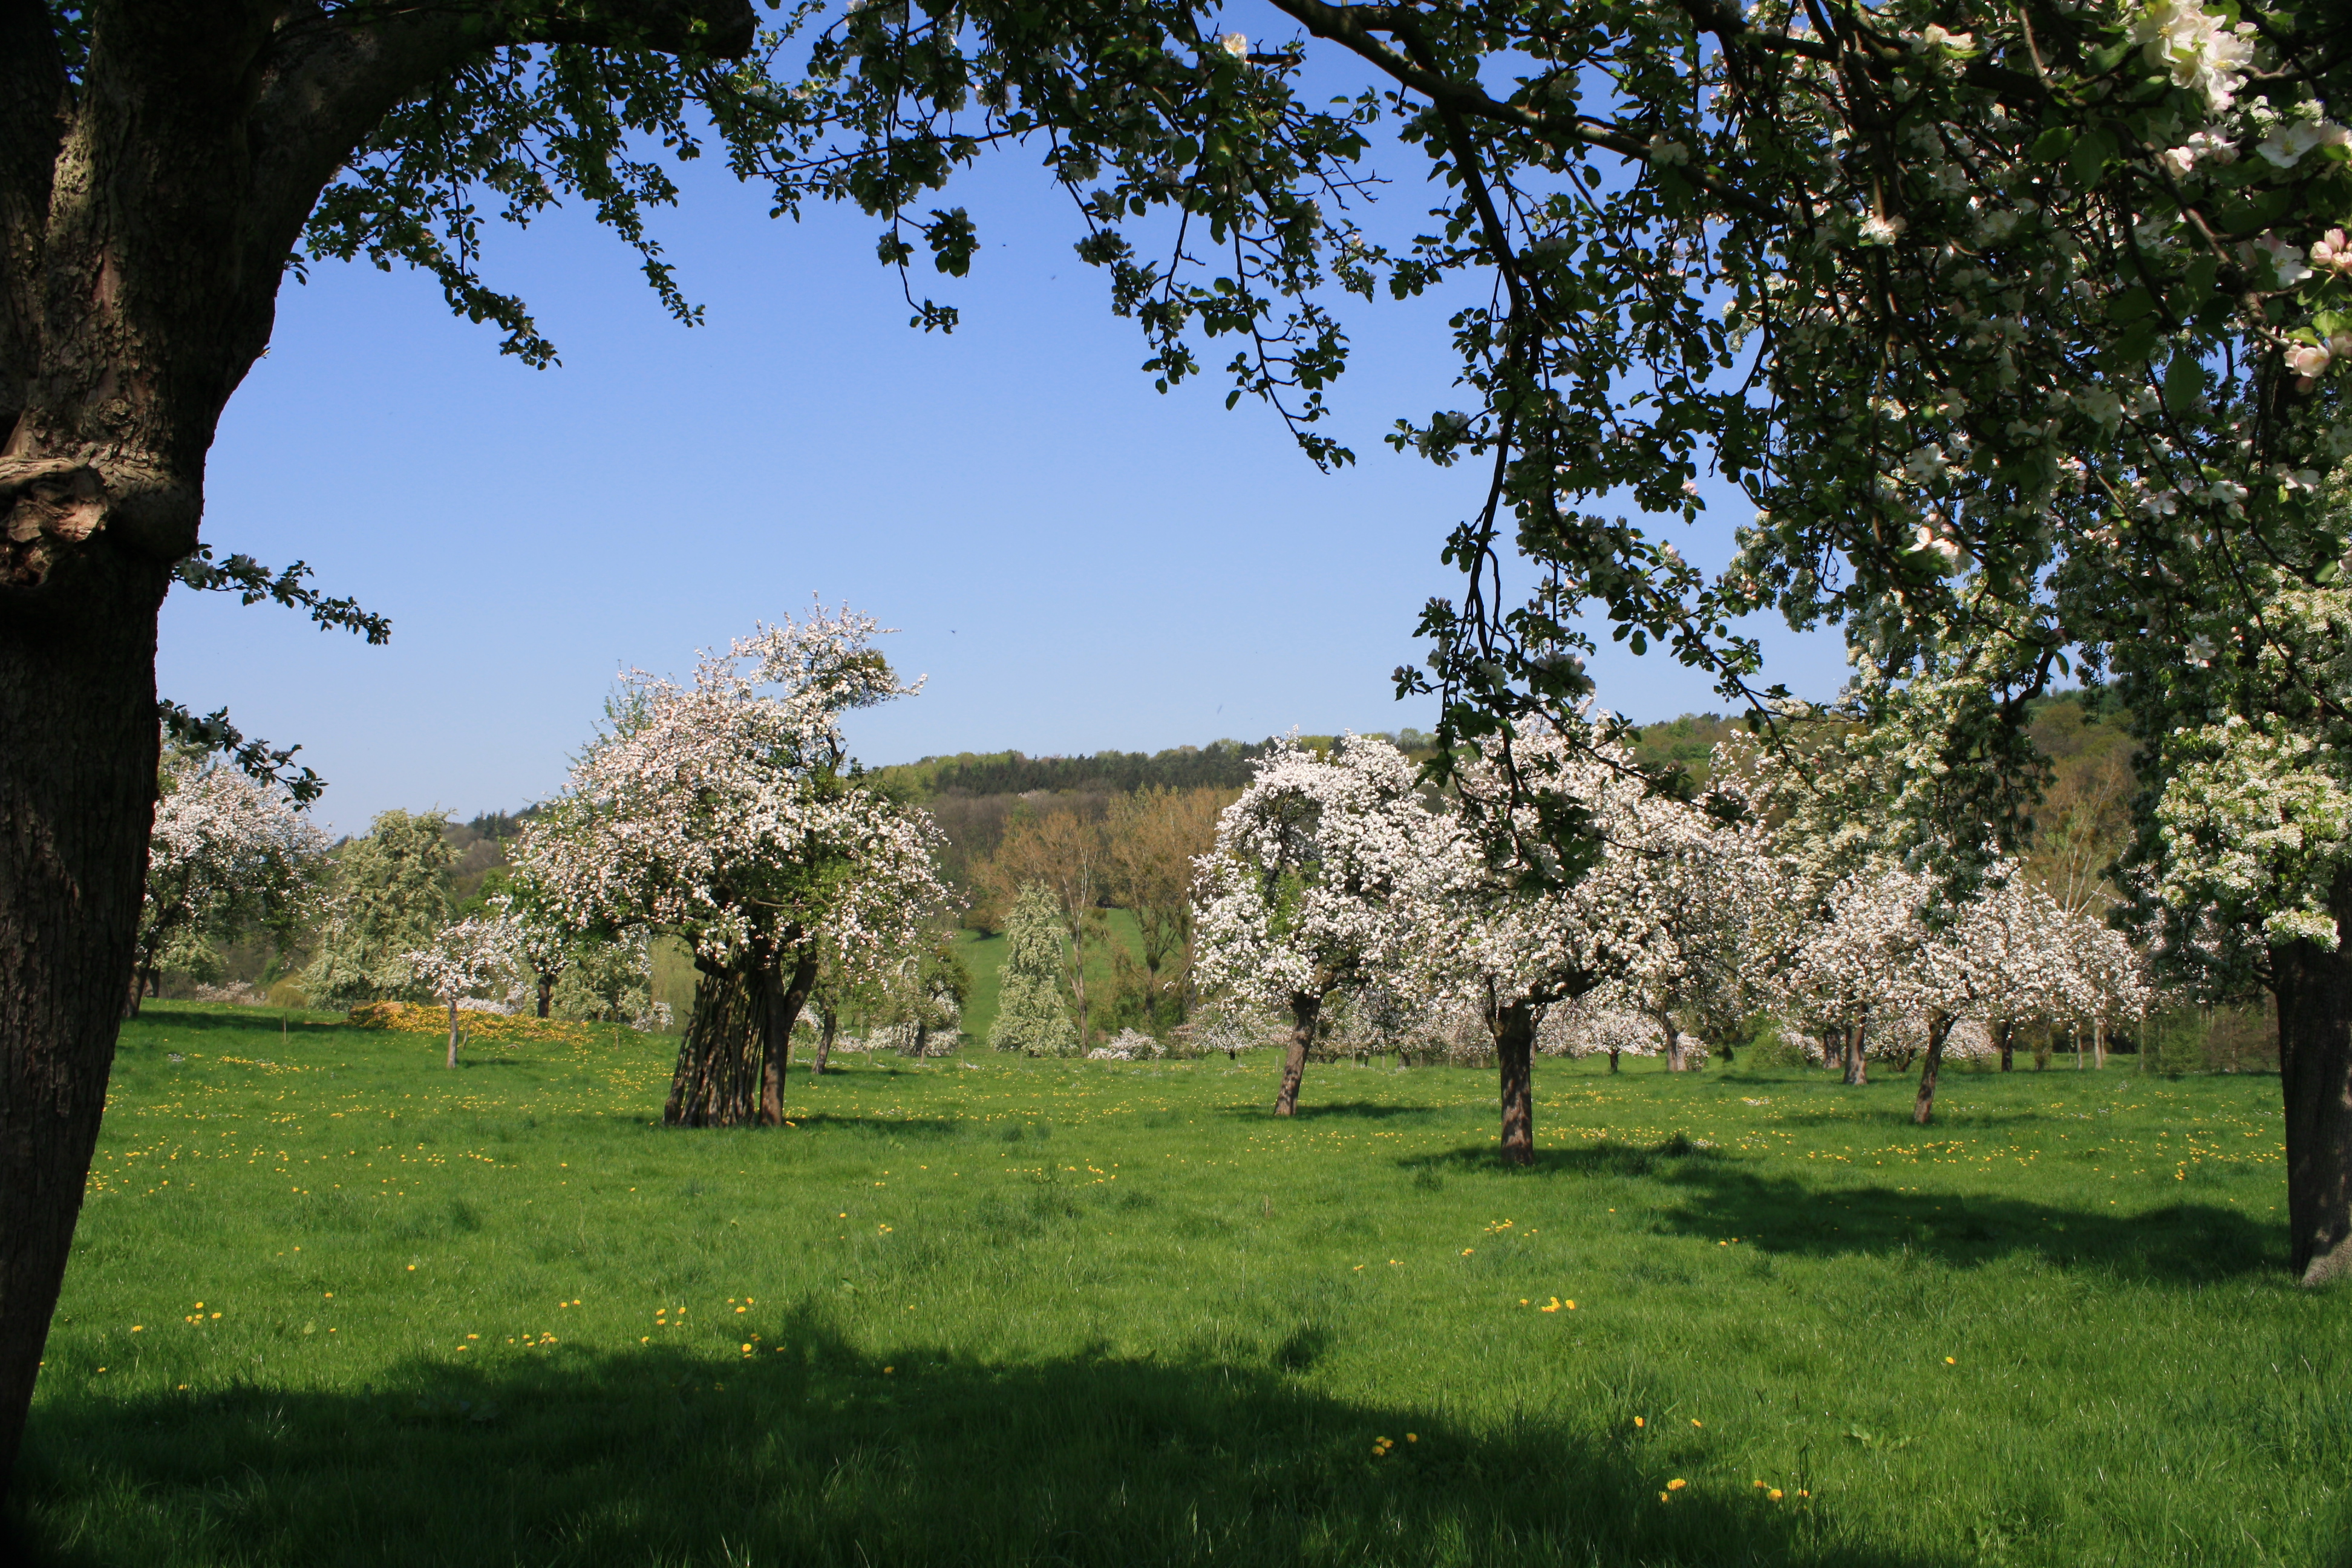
(1221, 764)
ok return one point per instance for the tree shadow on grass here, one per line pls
(2183, 1243)
(816, 1453)
(1348, 1110)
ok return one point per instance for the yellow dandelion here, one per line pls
(1639, 1422)
(1676, 1484)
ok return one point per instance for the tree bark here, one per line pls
(1939, 1029)
(1306, 1008)
(784, 1002)
(453, 1034)
(1856, 1072)
(1674, 1062)
(2006, 1034)
(2314, 988)
(1515, 1051)
(1613, 1053)
(78, 756)
(716, 1083)
(546, 993)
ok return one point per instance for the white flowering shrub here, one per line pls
(1128, 1046)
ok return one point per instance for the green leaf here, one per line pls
(2093, 151)
(2130, 305)
(2184, 383)
(2052, 145)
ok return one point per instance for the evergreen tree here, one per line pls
(390, 894)
(1031, 1016)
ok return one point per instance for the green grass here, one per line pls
(1056, 1313)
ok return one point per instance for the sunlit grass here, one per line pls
(332, 1303)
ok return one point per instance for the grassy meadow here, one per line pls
(330, 1303)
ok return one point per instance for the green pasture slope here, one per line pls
(332, 1304)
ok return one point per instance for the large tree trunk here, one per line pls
(78, 756)
(1675, 1059)
(1515, 1052)
(1306, 1008)
(146, 215)
(784, 1003)
(1850, 1038)
(2005, 1032)
(716, 1083)
(1939, 1029)
(2314, 987)
(546, 992)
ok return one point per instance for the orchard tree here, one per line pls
(227, 854)
(1579, 875)
(1318, 883)
(725, 813)
(472, 959)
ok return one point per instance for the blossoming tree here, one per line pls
(1523, 926)
(1320, 882)
(724, 811)
(475, 958)
(226, 853)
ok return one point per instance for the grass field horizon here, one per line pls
(329, 1301)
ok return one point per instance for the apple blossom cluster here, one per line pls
(721, 810)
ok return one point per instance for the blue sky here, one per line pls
(1077, 562)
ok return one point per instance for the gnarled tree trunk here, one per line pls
(785, 1000)
(1515, 1051)
(716, 1083)
(1305, 1009)
(2314, 987)
(731, 1059)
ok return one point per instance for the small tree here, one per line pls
(1317, 883)
(1031, 1015)
(1526, 928)
(465, 960)
(726, 812)
(391, 893)
(227, 855)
